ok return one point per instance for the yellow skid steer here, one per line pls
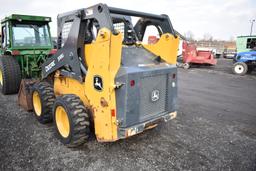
(104, 79)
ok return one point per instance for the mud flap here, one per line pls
(25, 94)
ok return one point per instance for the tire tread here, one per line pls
(11, 74)
(47, 99)
(79, 117)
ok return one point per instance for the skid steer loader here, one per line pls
(104, 79)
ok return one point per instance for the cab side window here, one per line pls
(251, 43)
(3, 41)
(5, 36)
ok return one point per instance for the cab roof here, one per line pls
(252, 36)
(20, 17)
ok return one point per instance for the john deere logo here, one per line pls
(98, 83)
(155, 95)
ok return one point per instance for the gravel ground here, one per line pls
(215, 130)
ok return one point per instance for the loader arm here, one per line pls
(70, 54)
(67, 56)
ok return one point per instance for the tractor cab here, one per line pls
(245, 43)
(20, 32)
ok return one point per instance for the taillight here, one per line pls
(52, 52)
(132, 83)
(173, 76)
(113, 112)
(15, 52)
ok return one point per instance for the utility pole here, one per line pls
(252, 21)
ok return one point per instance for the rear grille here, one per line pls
(149, 105)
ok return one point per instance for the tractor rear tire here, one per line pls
(43, 99)
(10, 75)
(71, 120)
(240, 68)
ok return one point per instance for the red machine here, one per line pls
(193, 56)
(152, 39)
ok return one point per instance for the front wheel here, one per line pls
(10, 75)
(42, 100)
(71, 120)
(240, 68)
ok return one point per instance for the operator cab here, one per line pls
(82, 27)
(30, 34)
(25, 32)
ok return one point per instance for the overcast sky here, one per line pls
(222, 19)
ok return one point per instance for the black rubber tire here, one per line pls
(47, 98)
(243, 68)
(11, 74)
(79, 120)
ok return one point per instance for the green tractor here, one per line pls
(25, 44)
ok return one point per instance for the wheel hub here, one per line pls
(186, 66)
(62, 121)
(239, 69)
(1, 77)
(37, 103)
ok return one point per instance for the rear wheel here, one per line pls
(43, 99)
(10, 75)
(71, 120)
(186, 65)
(240, 68)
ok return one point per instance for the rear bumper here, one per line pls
(139, 128)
